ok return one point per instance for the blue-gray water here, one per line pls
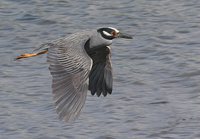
(156, 75)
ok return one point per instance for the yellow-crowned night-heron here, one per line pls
(79, 63)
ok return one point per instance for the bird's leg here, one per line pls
(27, 55)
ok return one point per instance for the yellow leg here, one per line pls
(26, 55)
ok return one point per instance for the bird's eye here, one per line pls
(114, 33)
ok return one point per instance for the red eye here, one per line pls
(113, 33)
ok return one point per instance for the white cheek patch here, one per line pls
(106, 33)
(117, 31)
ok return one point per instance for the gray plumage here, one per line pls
(79, 63)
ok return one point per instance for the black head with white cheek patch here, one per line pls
(108, 33)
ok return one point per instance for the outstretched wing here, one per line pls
(100, 78)
(69, 66)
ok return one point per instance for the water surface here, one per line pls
(156, 75)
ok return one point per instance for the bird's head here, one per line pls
(104, 36)
(110, 33)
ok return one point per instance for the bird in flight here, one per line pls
(78, 63)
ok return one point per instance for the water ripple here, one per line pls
(156, 75)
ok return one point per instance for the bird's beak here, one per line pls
(124, 35)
